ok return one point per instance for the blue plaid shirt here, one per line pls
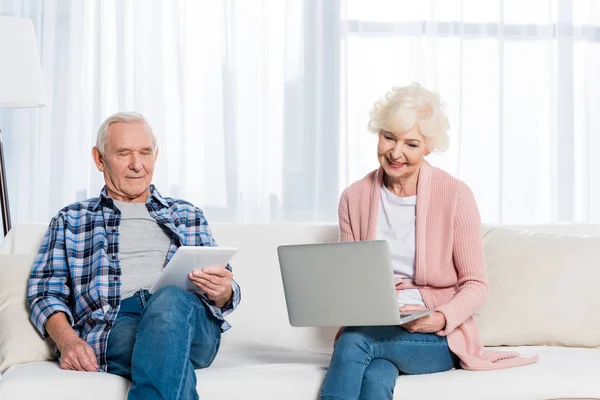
(77, 269)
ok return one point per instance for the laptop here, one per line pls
(341, 284)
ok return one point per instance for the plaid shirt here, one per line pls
(77, 269)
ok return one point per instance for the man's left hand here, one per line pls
(215, 282)
(433, 322)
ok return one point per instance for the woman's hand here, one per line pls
(433, 322)
(215, 282)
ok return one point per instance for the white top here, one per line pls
(396, 224)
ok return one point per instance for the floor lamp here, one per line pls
(21, 84)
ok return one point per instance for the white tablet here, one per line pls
(190, 258)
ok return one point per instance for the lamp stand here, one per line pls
(4, 192)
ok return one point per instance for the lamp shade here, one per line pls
(21, 81)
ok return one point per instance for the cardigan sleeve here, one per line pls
(346, 234)
(469, 261)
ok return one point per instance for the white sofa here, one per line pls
(262, 357)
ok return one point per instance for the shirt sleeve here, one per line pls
(48, 291)
(205, 237)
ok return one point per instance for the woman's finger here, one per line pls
(412, 307)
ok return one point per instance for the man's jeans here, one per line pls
(366, 361)
(158, 340)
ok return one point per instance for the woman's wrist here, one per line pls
(442, 319)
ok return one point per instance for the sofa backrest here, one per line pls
(262, 315)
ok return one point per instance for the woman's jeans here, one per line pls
(158, 340)
(366, 361)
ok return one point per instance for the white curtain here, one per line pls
(261, 106)
(522, 85)
(225, 85)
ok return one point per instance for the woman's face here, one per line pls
(401, 153)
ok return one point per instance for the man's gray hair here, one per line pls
(128, 117)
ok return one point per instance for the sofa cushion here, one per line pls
(272, 373)
(23, 239)
(542, 289)
(262, 315)
(19, 341)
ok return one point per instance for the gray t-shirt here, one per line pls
(143, 247)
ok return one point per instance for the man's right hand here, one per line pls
(77, 355)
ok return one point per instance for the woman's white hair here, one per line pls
(403, 107)
(128, 117)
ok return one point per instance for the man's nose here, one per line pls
(135, 163)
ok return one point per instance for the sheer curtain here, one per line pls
(261, 106)
(226, 86)
(520, 79)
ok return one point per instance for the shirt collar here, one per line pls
(154, 194)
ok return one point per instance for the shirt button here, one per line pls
(109, 324)
(114, 257)
(116, 278)
(114, 230)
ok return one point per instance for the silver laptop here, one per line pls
(341, 284)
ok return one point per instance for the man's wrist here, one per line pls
(66, 334)
(226, 299)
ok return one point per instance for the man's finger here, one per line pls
(92, 364)
(208, 291)
(212, 281)
(92, 357)
(208, 284)
(74, 362)
(65, 365)
(203, 283)
(87, 366)
(218, 271)
(83, 358)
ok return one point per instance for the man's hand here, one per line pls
(433, 322)
(215, 282)
(76, 354)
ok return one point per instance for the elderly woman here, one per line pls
(432, 224)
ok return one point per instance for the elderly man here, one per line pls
(89, 285)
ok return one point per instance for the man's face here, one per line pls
(128, 161)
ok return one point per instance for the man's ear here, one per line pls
(98, 159)
(156, 154)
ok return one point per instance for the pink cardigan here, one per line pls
(450, 265)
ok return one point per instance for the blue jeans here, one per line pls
(158, 340)
(367, 360)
